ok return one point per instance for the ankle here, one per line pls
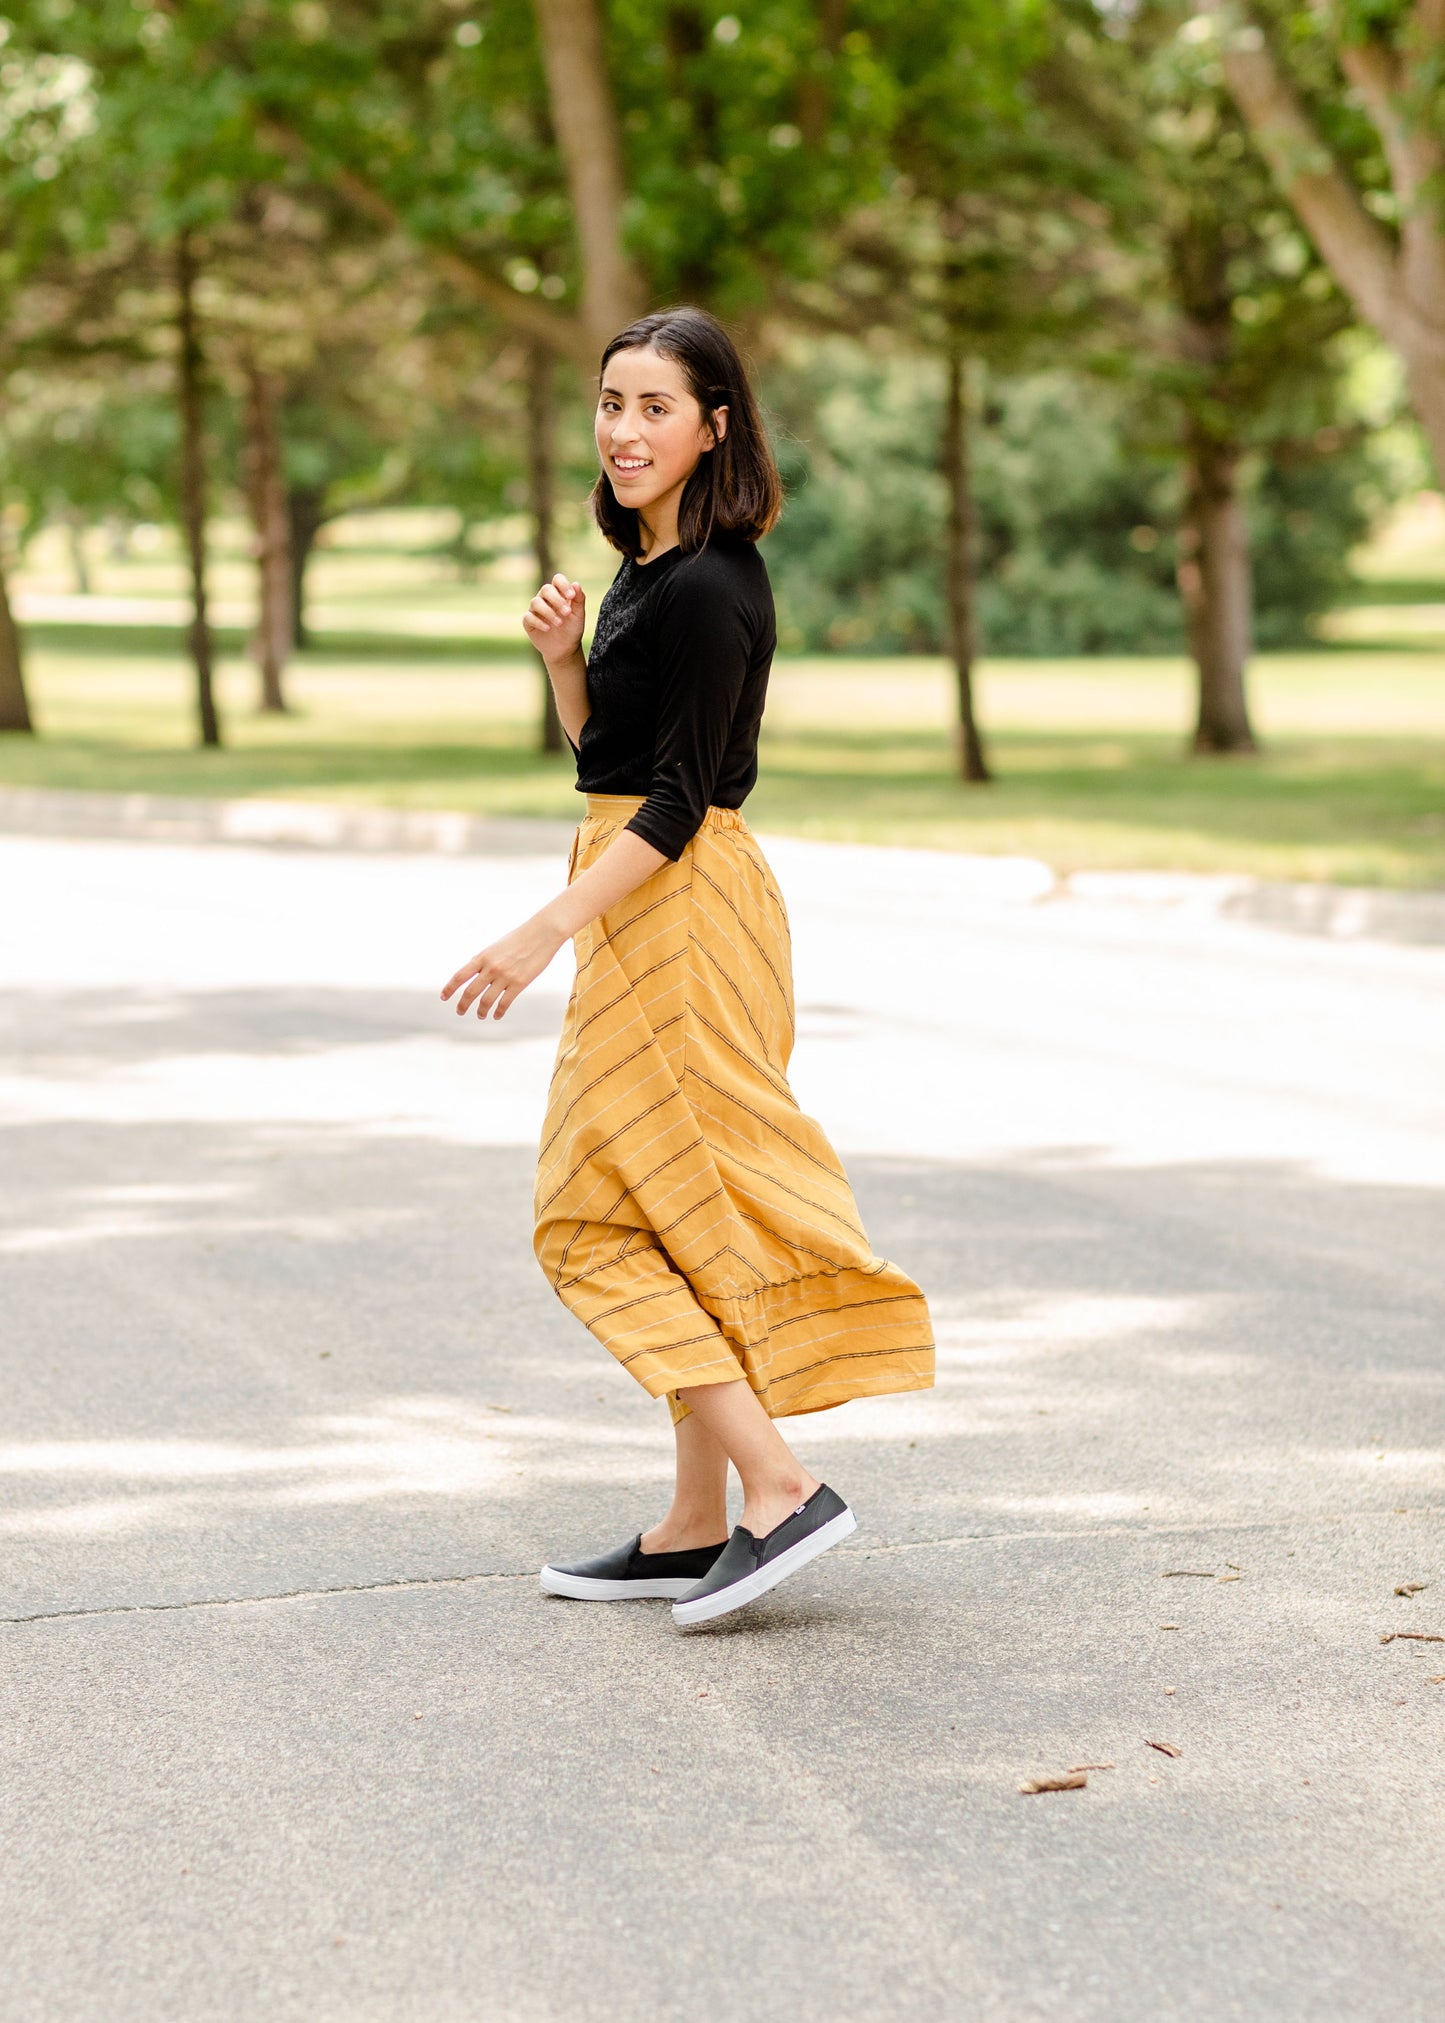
(766, 1504)
(679, 1532)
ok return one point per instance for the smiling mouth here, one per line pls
(631, 467)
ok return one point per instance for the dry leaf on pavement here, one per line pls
(1410, 1637)
(1164, 1748)
(1412, 1587)
(1075, 1781)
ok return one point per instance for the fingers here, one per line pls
(491, 991)
(554, 604)
(478, 986)
(481, 979)
(459, 978)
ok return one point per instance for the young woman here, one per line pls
(687, 1211)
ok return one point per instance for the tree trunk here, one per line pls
(1215, 586)
(962, 626)
(193, 483)
(814, 92)
(541, 481)
(266, 495)
(75, 532)
(14, 704)
(584, 119)
(305, 517)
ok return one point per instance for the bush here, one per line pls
(1306, 516)
(1076, 520)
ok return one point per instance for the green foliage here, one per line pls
(1307, 513)
(90, 450)
(1061, 190)
(855, 558)
(731, 186)
(1076, 515)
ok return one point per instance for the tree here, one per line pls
(954, 249)
(265, 477)
(1224, 320)
(584, 119)
(40, 118)
(960, 568)
(14, 702)
(190, 399)
(464, 138)
(1368, 190)
(542, 497)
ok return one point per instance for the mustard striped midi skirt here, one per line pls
(687, 1211)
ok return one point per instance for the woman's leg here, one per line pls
(699, 1513)
(737, 1428)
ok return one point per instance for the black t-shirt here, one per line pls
(676, 682)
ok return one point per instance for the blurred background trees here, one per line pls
(1068, 313)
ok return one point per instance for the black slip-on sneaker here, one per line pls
(630, 1575)
(747, 1567)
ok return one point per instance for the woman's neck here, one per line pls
(658, 525)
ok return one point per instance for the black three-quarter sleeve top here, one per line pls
(676, 682)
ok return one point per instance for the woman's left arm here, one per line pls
(498, 975)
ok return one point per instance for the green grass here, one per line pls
(1090, 755)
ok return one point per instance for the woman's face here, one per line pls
(650, 428)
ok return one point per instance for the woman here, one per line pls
(686, 1211)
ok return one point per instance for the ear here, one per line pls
(719, 424)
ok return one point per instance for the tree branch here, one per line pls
(1411, 149)
(562, 335)
(1415, 156)
(1356, 247)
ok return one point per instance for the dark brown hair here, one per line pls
(735, 489)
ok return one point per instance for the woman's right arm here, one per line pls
(554, 621)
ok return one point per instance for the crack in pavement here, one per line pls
(885, 1551)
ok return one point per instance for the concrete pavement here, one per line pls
(289, 1419)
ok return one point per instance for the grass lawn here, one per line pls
(1089, 754)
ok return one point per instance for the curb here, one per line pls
(1327, 912)
(286, 825)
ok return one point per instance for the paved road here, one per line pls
(289, 1420)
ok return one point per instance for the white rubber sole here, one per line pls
(708, 1607)
(579, 1589)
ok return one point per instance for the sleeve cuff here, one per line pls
(663, 832)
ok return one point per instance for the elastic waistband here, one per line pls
(622, 807)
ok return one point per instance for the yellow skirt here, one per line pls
(687, 1211)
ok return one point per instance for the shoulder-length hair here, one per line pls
(735, 489)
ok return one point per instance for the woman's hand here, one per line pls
(556, 618)
(502, 972)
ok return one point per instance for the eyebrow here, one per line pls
(661, 394)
